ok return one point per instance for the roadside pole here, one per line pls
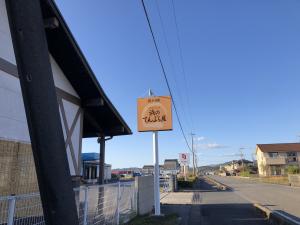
(156, 174)
(156, 169)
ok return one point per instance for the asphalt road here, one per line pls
(206, 205)
(284, 199)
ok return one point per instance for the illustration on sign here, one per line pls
(154, 113)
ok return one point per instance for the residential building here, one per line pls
(126, 171)
(236, 165)
(171, 167)
(272, 159)
(90, 168)
(149, 169)
(85, 109)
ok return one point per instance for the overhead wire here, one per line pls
(164, 74)
(188, 124)
(182, 60)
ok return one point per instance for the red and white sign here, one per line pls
(184, 159)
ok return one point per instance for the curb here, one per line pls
(220, 185)
(275, 217)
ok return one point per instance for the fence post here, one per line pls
(11, 210)
(85, 209)
(118, 203)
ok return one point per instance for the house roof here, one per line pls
(237, 162)
(100, 116)
(282, 147)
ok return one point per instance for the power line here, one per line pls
(185, 113)
(164, 73)
(181, 59)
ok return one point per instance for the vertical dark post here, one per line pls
(101, 141)
(40, 101)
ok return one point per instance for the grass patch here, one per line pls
(283, 180)
(275, 180)
(171, 219)
(245, 173)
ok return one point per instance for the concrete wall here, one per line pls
(261, 163)
(294, 180)
(145, 194)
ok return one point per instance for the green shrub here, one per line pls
(188, 183)
(245, 173)
(293, 169)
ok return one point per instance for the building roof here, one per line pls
(90, 156)
(281, 147)
(237, 162)
(100, 116)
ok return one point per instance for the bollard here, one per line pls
(118, 203)
(85, 209)
(11, 210)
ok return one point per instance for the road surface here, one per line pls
(206, 205)
(284, 199)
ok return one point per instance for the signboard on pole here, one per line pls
(155, 113)
(184, 159)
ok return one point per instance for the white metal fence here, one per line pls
(107, 204)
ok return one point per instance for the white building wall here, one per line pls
(6, 47)
(13, 124)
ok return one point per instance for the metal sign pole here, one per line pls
(156, 170)
(156, 174)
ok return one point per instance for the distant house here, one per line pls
(171, 167)
(149, 169)
(90, 168)
(236, 165)
(127, 171)
(272, 159)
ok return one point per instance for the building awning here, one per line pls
(100, 116)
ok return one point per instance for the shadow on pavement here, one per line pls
(217, 214)
(295, 218)
(208, 212)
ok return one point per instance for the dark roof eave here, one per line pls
(88, 70)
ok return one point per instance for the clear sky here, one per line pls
(242, 71)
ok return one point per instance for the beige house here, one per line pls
(235, 165)
(272, 159)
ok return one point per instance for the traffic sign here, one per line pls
(184, 159)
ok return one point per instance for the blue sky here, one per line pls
(241, 61)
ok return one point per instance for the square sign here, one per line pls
(154, 113)
(184, 159)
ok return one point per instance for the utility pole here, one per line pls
(193, 154)
(242, 158)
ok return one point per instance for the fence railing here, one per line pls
(109, 204)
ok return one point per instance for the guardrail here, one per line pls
(98, 204)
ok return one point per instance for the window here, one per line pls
(292, 157)
(273, 154)
(275, 170)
